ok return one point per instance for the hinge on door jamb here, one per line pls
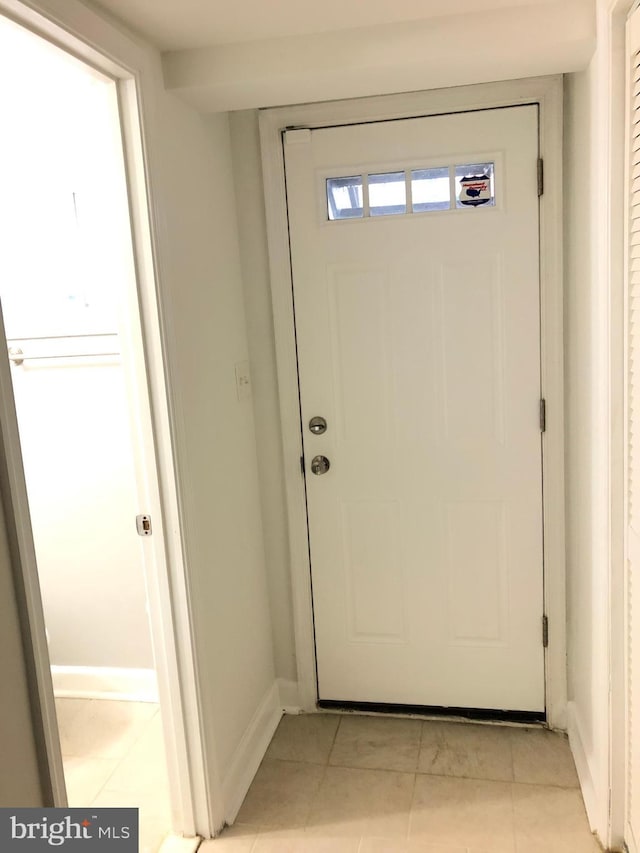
(543, 415)
(540, 176)
(302, 464)
(545, 631)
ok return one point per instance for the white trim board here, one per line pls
(583, 768)
(547, 93)
(250, 752)
(104, 682)
(289, 696)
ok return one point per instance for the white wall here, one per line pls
(593, 340)
(58, 277)
(586, 572)
(216, 440)
(247, 171)
(74, 432)
(199, 276)
(446, 50)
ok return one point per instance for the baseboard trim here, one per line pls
(104, 682)
(250, 752)
(587, 785)
(289, 696)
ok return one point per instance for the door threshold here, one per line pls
(486, 715)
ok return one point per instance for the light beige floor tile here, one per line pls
(390, 845)
(304, 737)
(354, 802)
(67, 711)
(105, 729)
(86, 777)
(299, 841)
(466, 750)
(153, 831)
(154, 814)
(281, 794)
(377, 743)
(151, 802)
(542, 757)
(464, 813)
(550, 820)
(143, 769)
(134, 776)
(238, 838)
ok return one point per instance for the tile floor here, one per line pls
(357, 784)
(113, 755)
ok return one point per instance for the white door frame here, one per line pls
(614, 148)
(196, 797)
(547, 93)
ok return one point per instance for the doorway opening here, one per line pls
(68, 284)
(321, 121)
(418, 344)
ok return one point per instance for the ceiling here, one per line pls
(185, 24)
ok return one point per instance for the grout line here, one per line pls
(413, 799)
(110, 776)
(144, 726)
(513, 818)
(377, 769)
(312, 802)
(420, 747)
(513, 763)
(255, 840)
(333, 742)
(548, 785)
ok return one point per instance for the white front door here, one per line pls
(414, 247)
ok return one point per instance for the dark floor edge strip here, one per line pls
(437, 711)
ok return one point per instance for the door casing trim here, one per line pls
(546, 92)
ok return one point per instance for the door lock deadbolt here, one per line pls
(317, 425)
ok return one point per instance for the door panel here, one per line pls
(419, 341)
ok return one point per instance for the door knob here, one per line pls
(317, 425)
(320, 465)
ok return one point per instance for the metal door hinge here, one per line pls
(143, 525)
(540, 176)
(545, 631)
(543, 415)
(302, 464)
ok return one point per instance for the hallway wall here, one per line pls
(247, 172)
(199, 281)
(587, 593)
(74, 432)
(594, 439)
(594, 353)
(205, 317)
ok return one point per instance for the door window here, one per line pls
(420, 190)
